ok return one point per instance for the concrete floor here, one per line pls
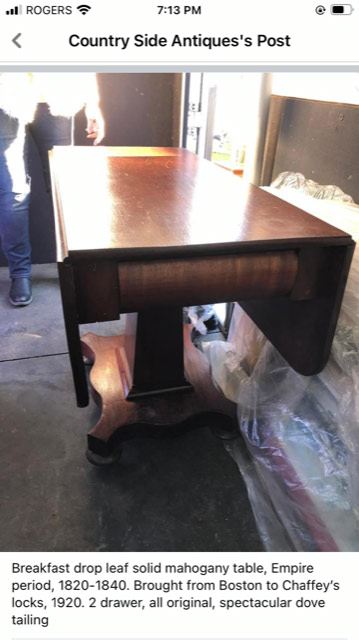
(182, 494)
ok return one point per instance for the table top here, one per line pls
(143, 202)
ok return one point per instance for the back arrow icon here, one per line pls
(15, 40)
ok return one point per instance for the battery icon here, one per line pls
(342, 9)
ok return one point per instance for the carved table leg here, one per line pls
(190, 401)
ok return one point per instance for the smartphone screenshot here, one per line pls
(179, 353)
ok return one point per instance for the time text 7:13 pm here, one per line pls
(176, 9)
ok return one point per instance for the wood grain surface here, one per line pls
(154, 229)
(150, 204)
(190, 281)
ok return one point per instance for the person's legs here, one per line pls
(14, 207)
(48, 131)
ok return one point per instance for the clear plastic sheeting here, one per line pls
(291, 180)
(199, 315)
(272, 531)
(303, 438)
(302, 433)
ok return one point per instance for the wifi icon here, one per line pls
(83, 8)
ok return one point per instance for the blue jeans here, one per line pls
(47, 130)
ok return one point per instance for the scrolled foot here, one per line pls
(103, 461)
(226, 429)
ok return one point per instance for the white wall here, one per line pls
(335, 87)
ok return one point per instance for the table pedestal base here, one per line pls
(127, 411)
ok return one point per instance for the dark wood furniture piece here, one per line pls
(147, 231)
(316, 138)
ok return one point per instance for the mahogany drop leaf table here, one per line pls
(146, 231)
